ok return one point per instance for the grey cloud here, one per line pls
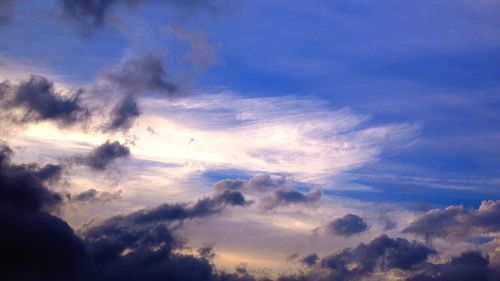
(310, 260)
(259, 183)
(93, 195)
(285, 197)
(381, 254)
(347, 226)
(142, 73)
(457, 223)
(135, 77)
(123, 114)
(468, 266)
(38, 101)
(104, 155)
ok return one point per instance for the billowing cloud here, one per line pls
(140, 246)
(347, 225)
(104, 155)
(286, 197)
(457, 223)
(35, 244)
(37, 100)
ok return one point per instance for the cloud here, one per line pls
(457, 223)
(467, 266)
(104, 155)
(310, 260)
(142, 73)
(347, 226)
(261, 183)
(93, 195)
(136, 77)
(35, 244)
(285, 197)
(139, 246)
(124, 114)
(36, 100)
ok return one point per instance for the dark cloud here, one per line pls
(124, 114)
(457, 223)
(468, 266)
(104, 155)
(6, 7)
(23, 187)
(260, 183)
(93, 195)
(347, 226)
(285, 197)
(35, 245)
(38, 100)
(136, 76)
(310, 260)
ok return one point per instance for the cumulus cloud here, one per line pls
(37, 100)
(37, 245)
(286, 197)
(347, 225)
(457, 223)
(104, 155)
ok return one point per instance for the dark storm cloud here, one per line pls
(124, 114)
(35, 245)
(347, 226)
(37, 100)
(104, 155)
(310, 260)
(285, 197)
(261, 183)
(140, 246)
(456, 222)
(6, 7)
(22, 187)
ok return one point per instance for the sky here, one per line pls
(249, 140)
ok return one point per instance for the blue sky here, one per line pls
(391, 105)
